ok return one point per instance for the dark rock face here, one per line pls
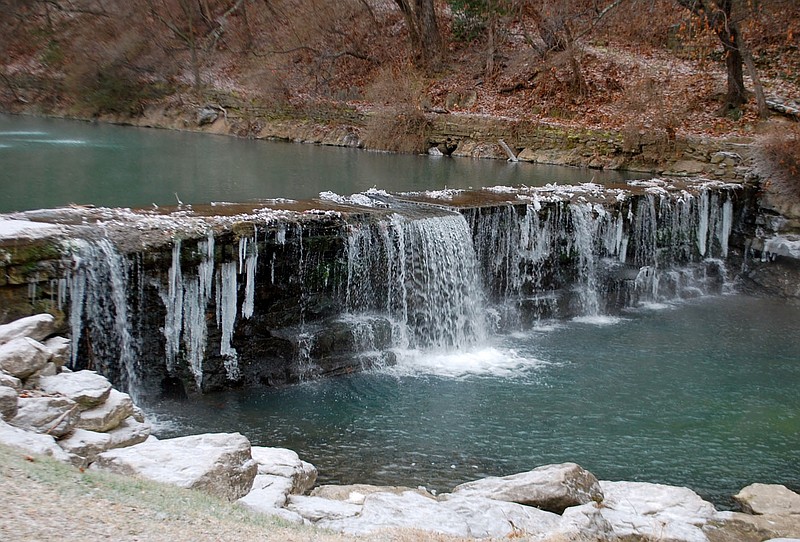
(186, 303)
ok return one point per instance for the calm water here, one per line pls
(48, 163)
(702, 394)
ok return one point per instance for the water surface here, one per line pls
(701, 394)
(49, 162)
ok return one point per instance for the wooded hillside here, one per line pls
(673, 66)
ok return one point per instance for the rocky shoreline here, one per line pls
(78, 418)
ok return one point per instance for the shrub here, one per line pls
(778, 161)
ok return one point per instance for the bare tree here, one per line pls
(423, 30)
(719, 16)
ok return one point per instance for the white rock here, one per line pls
(36, 327)
(286, 463)
(10, 381)
(129, 433)
(85, 445)
(584, 522)
(315, 509)
(60, 348)
(54, 416)
(8, 402)
(268, 491)
(550, 487)
(27, 229)
(216, 463)
(23, 357)
(31, 443)
(668, 513)
(499, 519)
(409, 510)
(108, 415)
(87, 388)
(768, 499)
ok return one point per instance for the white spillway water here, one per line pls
(423, 275)
(105, 308)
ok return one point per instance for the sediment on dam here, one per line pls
(245, 295)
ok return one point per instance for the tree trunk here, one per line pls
(423, 31)
(736, 95)
(761, 100)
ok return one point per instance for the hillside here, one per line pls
(625, 65)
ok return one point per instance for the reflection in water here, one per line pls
(49, 163)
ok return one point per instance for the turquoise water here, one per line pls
(702, 394)
(48, 163)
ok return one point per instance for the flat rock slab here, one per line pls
(644, 511)
(550, 487)
(217, 463)
(357, 493)
(108, 415)
(500, 519)
(22, 357)
(315, 509)
(54, 416)
(286, 463)
(31, 443)
(36, 327)
(268, 491)
(84, 446)
(768, 499)
(87, 388)
(409, 510)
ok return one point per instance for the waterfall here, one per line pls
(341, 292)
(100, 314)
(421, 273)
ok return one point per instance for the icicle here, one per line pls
(226, 316)
(725, 226)
(702, 222)
(251, 263)
(174, 308)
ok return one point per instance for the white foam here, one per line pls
(597, 320)
(74, 142)
(487, 361)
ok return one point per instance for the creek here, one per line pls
(588, 324)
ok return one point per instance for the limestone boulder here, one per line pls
(10, 381)
(36, 327)
(31, 443)
(55, 416)
(409, 510)
(8, 402)
(87, 388)
(129, 432)
(108, 415)
(551, 487)
(60, 348)
(84, 446)
(764, 499)
(645, 511)
(740, 527)
(286, 463)
(22, 357)
(491, 518)
(315, 509)
(216, 463)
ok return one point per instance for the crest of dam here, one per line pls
(231, 296)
